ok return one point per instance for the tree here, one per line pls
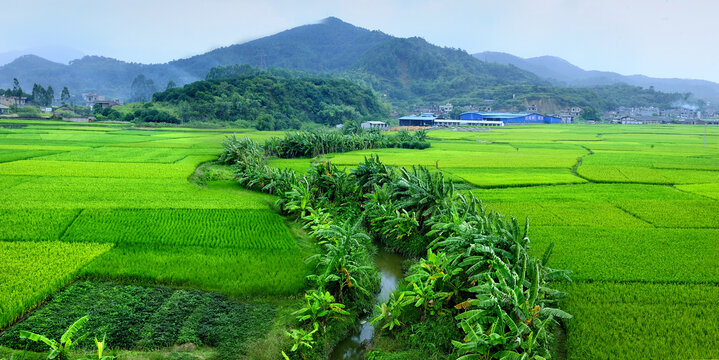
(65, 95)
(265, 122)
(454, 114)
(589, 113)
(16, 89)
(50, 95)
(142, 88)
(170, 85)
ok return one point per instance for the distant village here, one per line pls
(450, 115)
(59, 109)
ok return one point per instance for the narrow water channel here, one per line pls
(355, 345)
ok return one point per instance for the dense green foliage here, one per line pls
(274, 102)
(481, 274)
(316, 143)
(137, 317)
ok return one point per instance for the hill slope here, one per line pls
(562, 72)
(331, 46)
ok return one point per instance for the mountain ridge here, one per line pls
(406, 70)
(561, 72)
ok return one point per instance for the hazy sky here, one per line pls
(661, 38)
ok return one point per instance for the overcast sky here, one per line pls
(660, 38)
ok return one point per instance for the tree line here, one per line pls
(40, 95)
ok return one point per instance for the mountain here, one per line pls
(563, 73)
(330, 45)
(58, 54)
(404, 68)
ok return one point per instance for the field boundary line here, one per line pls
(633, 215)
(69, 225)
(674, 186)
(579, 163)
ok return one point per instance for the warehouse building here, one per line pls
(511, 118)
(480, 119)
(447, 123)
(425, 119)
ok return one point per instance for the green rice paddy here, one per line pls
(632, 211)
(104, 202)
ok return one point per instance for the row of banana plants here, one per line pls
(314, 143)
(476, 271)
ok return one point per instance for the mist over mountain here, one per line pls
(58, 54)
(405, 71)
(563, 73)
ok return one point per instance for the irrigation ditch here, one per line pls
(355, 345)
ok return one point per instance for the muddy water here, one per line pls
(354, 346)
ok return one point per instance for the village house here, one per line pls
(18, 101)
(91, 99)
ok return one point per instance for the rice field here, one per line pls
(107, 203)
(30, 271)
(631, 210)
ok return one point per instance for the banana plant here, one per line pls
(302, 339)
(100, 348)
(320, 306)
(390, 312)
(59, 349)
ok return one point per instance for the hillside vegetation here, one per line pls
(270, 102)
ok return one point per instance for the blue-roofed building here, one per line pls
(511, 118)
(425, 119)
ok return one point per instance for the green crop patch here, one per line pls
(601, 173)
(662, 160)
(299, 165)
(7, 155)
(95, 169)
(34, 224)
(705, 190)
(675, 214)
(641, 321)
(594, 214)
(217, 228)
(146, 318)
(462, 159)
(30, 271)
(585, 193)
(125, 155)
(503, 177)
(639, 254)
(227, 270)
(83, 192)
(9, 181)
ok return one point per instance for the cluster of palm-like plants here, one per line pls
(314, 143)
(476, 269)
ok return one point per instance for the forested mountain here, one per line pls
(562, 73)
